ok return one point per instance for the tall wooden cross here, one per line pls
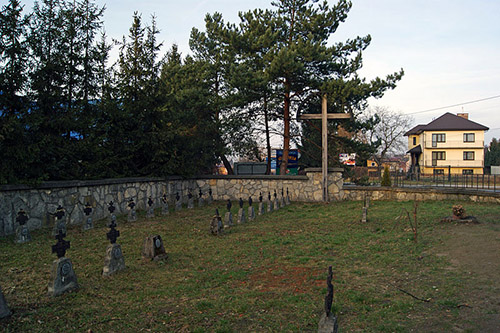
(324, 116)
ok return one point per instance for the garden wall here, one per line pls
(420, 194)
(42, 200)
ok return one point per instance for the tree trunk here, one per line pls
(286, 131)
(268, 138)
(227, 165)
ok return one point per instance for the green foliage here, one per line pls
(492, 154)
(386, 177)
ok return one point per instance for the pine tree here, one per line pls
(13, 104)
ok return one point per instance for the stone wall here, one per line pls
(39, 202)
(420, 194)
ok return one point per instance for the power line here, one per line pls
(451, 106)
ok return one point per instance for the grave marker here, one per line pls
(216, 227)
(164, 204)
(22, 232)
(111, 210)
(328, 322)
(241, 212)
(190, 201)
(251, 210)
(151, 208)
(269, 203)
(132, 215)
(282, 200)
(178, 202)
(153, 248)
(201, 202)
(4, 309)
(89, 223)
(210, 198)
(276, 204)
(63, 277)
(60, 223)
(261, 205)
(114, 260)
(228, 218)
(287, 200)
(365, 213)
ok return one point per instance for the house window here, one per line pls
(414, 140)
(467, 172)
(469, 137)
(438, 156)
(468, 155)
(438, 138)
(439, 171)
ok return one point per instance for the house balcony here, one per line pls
(478, 144)
(454, 163)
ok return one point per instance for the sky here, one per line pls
(449, 49)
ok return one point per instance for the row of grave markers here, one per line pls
(63, 277)
(217, 227)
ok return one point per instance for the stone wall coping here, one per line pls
(87, 183)
(321, 170)
(445, 190)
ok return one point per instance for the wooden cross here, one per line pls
(324, 116)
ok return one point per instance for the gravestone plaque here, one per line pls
(241, 212)
(276, 203)
(89, 223)
(4, 309)
(364, 216)
(328, 322)
(132, 215)
(251, 210)
(22, 232)
(151, 208)
(63, 277)
(287, 199)
(228, 218)
(269, 203)
(111, 210)
(164, 204)
(201, 202)
(261, 205)
(178, 202)
(216, 227)
(60, 221)
(190, 201)
(210, 198)
(114, 260)
(153, 248)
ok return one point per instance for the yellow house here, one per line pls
(449, 144)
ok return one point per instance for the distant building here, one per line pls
(449, 144)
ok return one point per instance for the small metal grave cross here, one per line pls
(241, 203)
(111, 207)
(61, 245)
(21, 218)
(200, 193)
(229, 205)
(59, 214)
(329, 295)
(250, 201)
(88, 209)
(324, 116)
(260, 197)
(113, 234)
(150, 202)
(177, 197)
(131, 203)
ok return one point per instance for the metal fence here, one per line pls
(365, 176)
(473, 182)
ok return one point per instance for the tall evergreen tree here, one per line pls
(13, 67)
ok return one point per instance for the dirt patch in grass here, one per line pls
(474, 250)
(297, 280)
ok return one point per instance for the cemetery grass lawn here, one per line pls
(264, 275)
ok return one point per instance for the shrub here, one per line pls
(386, 177)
